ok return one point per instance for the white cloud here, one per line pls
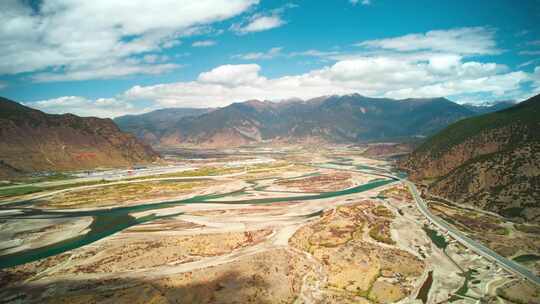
(271, 53)
(315, 53)
(464, 41)
(105, 70)
(431, 68)
(262, 22)
(74, 36)
(203, 43)
(496, 85)
(232, 75)
(101, 107)
(258, 24)
(371, 76)
(154, 58)
(527, 63)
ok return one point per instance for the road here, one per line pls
(480, 249)
(508, 265)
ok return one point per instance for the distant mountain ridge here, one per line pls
(151, 126)
(491, 161)
(334, 119)
(31, 140)
(485, 108)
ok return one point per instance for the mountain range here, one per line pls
(491, 161)
(150, 126)
(31, 140)
(332, 119)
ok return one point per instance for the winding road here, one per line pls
(475, 246)
(508, 265)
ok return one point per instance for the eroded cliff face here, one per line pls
(428, 163)
(31, 140)
(506, 182)
(491, 161)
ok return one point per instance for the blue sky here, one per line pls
(108, 58)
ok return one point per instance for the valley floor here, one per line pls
(258, 225)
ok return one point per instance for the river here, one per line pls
(110, 221)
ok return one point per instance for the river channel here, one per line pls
(110, 221)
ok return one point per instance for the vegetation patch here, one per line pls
(23, 190)
(381, 232)
(520, 292)
(525, 258)
(512, 212)
(382, 211)
(436, 238)
(462, 291)
(319, 183)
(398, 192)
(204, 171)
(119, 193)
(534, 229)
(19, 191)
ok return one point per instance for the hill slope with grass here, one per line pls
(491, 161)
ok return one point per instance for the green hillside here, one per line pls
(525, 116)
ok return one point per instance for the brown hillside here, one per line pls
(491, 161)
(31, 140)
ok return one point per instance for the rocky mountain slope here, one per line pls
(388, 150)
(151, 126)
(491, 161)
(31, 140)
(336, 119)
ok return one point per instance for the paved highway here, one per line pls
(480, 249)
(508, 265)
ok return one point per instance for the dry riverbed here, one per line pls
(268, 239)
